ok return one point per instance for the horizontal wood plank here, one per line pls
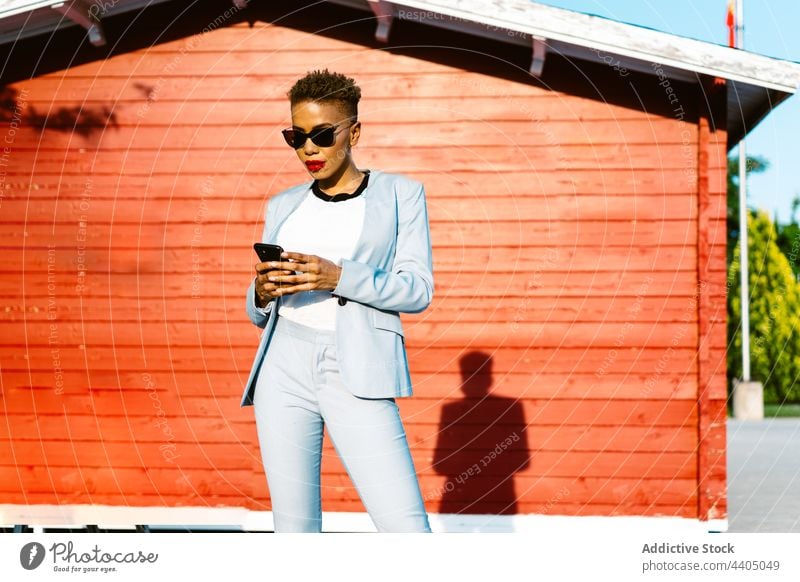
(468, 206)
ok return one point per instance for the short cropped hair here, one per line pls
(324, 86)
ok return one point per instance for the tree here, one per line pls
(774, 314)
(789, 239)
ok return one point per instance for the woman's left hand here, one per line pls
(317, 274)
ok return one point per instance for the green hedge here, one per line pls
(774, 314)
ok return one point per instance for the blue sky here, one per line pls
(771, 28)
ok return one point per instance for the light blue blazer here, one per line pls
(390, 271)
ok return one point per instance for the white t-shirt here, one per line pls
(328, 227)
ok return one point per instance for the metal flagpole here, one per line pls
(743, 221)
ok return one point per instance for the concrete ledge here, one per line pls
(748, 400)
(236, 519)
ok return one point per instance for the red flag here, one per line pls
(731, 22)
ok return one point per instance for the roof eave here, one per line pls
(757, 83)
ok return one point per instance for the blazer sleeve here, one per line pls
(260, 315)
(408, 287)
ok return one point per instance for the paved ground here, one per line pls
(764, 475)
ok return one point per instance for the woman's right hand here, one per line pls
(265, 289)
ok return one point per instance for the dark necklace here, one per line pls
(342, 195)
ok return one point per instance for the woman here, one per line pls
(357, 252)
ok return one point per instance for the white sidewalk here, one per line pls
(764, 475)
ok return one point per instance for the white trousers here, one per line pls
(299, 391)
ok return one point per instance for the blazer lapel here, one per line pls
(365, 251)
(284, 210)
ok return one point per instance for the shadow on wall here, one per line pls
(482, 444)
(84, 120)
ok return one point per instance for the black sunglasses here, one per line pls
(324, 137)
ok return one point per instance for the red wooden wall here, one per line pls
(568, 364)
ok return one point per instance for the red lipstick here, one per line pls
(314, 165)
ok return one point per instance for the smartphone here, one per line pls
(267, 252)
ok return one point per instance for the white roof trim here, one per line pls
(617, 38)
(14, 7)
